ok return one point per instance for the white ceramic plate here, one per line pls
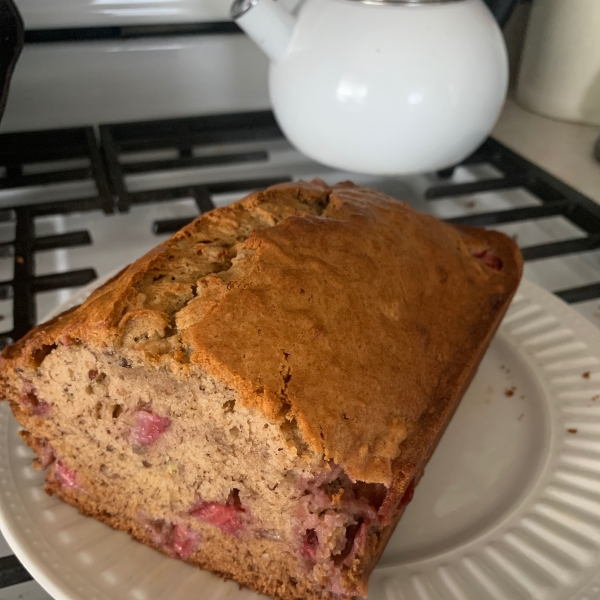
(509, 506)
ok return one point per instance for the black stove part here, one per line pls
(512, 215)
(12, 572)
(166, 226)
(62, 240)
(184, 135)
(129, 32)
(194, 161)
(580, 294)
(11, 44)
(474, 187)
(573, 246)
(64, 207)
(38, 158)
(556, 198)
(59, 281)
(201, 196)
(19, 152)
(21, 286)
(502, 9)
(24, 284)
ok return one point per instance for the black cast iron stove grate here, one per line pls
(186, 137)
(555, 199)
(44, 159)
(110, 162)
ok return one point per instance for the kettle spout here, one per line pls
(267, 23)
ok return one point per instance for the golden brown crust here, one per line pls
(339, 310)
(418, 448)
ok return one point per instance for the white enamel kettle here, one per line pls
(386, 87)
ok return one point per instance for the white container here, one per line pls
(560, 66)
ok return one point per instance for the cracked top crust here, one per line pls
(339, 312)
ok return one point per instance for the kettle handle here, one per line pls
(11, 43)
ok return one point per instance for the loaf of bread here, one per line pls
(259, 394)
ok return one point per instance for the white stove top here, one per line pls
(121, 238)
